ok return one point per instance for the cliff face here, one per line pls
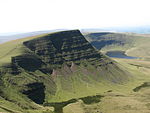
(51, 51)
(56, 53)
(63, 47)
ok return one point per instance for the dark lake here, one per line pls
(119, 54)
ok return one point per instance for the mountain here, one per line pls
(54, 67)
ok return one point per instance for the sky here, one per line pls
(36, 15)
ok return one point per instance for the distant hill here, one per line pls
(9, 37)
(133, 44)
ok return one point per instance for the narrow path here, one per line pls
(8, 52)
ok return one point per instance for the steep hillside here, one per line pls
(53, 68)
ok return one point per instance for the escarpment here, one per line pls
(55, 53)
(58, 64)
(65, 47)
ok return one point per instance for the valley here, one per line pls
(62, 72)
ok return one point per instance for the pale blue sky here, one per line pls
(32, 15)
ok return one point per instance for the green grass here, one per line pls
(121, 99)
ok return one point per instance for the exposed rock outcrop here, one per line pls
(65, 47)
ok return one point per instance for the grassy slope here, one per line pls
(9, 49)
(119, 101)
(13, 48)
